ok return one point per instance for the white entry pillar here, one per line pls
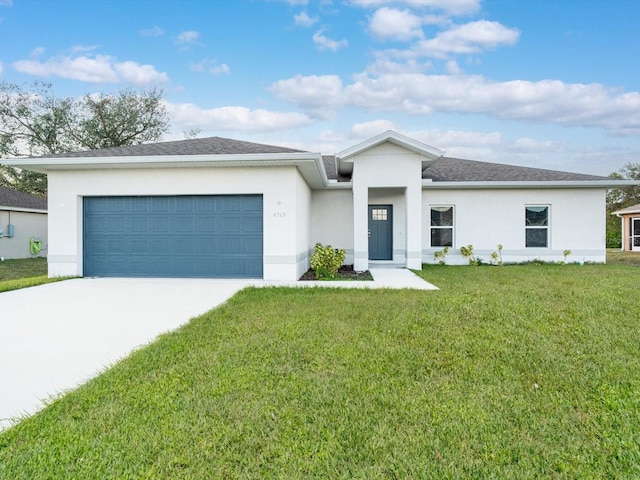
(413, 198)
(360, 227)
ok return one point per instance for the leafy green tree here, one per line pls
(35, 122)
(618, 198)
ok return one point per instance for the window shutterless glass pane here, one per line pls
(537, 216)
(442, 237)
(441, 216)
(536, 237)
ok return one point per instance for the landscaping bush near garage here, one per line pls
(512, 373)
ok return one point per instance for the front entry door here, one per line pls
(380, 232)
(635, 234)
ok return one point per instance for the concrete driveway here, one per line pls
(56, 336)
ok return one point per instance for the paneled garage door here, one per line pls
(173, 236)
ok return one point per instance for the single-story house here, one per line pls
(630, 218)
(22, 217)
(216, 207)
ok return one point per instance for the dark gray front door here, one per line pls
(380, 232)
(173, 236)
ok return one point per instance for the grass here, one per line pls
(23, 268)
(506, 372)
(617, 257)
(23, 273)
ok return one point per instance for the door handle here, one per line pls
(369, 233)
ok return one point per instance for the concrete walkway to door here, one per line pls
(56, 336)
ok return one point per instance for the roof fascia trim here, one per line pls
(428, 184)
(153, 159)
(6, 208)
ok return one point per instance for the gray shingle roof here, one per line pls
(329, 162)
(457, 170)
(195, 146)
(12, 198)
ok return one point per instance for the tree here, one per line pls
(35, 122)
(618, 198)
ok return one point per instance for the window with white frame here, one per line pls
(442, 226)
(536, 221)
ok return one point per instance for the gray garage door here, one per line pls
(180, 236)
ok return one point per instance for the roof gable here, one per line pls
(344, 159)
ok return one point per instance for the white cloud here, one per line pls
(136, 74)
(321, 95)
(93, 69)
(371, 129)
(529, 145)
(83, 48)
(155, 31)
(392, 24)
(188, 38)
(211, 66)
(98, 69)
(453, 68)
(451, 139)
(469, 38)
(384, 63)
(304, 20)
(36, 52)
(546, 101)
(325, 43)
(452, 7)
(188, 115)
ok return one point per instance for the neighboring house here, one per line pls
(215, 207)
(630, 218)
(22, 216)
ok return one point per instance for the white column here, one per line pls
(413, 198)
(360, 228)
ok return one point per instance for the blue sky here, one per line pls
(542, 83)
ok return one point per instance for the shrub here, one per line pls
(496, 257)
(326, 261)
(467, 252)
(441, 256)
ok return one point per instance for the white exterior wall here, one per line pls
(388, 166)
(281, 188)
(303, 213)
(332, 220)
(486, 218)
(26, 225)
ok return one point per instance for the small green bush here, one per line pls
(467, 252)
(441, 256)
(326, 261)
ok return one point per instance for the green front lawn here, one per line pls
(22, 273)
(23, 268)
(618, 257)
(506, 372)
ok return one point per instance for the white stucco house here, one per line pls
(22, 217)
(217, 207)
